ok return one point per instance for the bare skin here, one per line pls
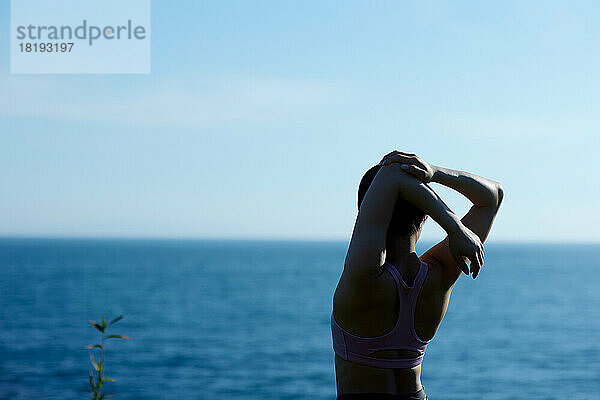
(365, 302)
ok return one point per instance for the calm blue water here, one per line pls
(250, 320)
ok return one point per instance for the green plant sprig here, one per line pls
(97, 378)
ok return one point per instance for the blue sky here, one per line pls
(259, 118)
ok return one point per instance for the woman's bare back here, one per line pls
(376, 315)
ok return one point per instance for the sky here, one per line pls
(258, 120)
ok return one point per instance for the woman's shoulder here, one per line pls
(435, 272)
(351, 296)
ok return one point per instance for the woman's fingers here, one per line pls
(475, 264)
(479, 257)
(391, 153)
(460, 262)
(479, 254)
(398, 158)
(388, 156)
(414, 170)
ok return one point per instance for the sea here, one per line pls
(212, 319)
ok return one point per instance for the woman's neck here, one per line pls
(401, 250)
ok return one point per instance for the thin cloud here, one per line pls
(201, 103)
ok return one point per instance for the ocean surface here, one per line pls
(250, 320)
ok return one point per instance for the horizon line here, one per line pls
(263, 239)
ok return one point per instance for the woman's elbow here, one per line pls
(499, 194)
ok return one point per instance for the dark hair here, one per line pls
(406, 218)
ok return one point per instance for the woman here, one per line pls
(389, 302)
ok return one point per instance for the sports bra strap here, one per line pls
(417, 281)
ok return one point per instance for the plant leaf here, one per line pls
(110, 395)
(91, 346)
(101, 329)
(94, 363)
(92, 384)
(108, 379)
(120, 317)
(117, 337)
(103, 322)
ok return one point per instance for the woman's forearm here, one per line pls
(480, 191)
(426, 199)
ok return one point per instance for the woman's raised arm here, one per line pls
(482, 192)
(485, 194)
(367, 246)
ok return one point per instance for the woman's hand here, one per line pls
(464, 243)
(411, 163)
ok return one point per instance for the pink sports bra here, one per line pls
(358, 349)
